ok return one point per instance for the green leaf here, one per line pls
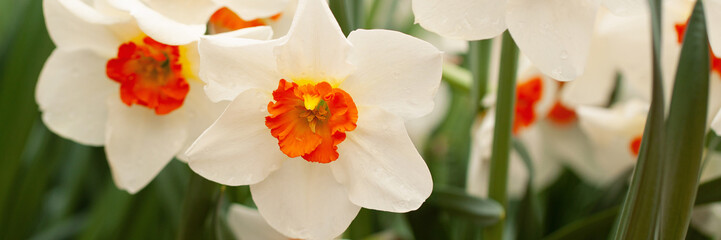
(592, 227)
(24, 46)
(528, 216)
(200, 202)
(640, 209)
(458, 203)
(708, 192)
(600, 222)
(685, 130)
(505, 101)
(109, 211)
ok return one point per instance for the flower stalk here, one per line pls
(502, 139)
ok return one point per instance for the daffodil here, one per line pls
(179, 22)
(315, 126)
(545, 125)
(622, 45)
(554, 34)
(110, 84)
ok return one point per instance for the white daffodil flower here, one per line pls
(316, 122)
(616, 134)
(109, 84)
(179, 22)
(622, 44)
(554, 34)
(546, 126)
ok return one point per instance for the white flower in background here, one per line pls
(616, 134)
(316, 123)
(110, 84)
(554, 34)
(544, 125)
(622, 44)
(707, 218)
(179, 22)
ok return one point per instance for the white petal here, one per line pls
(71, 93)
(712, 9)
(395, 71)
(72, 24)
(716, 123)
(315, 49)
(201, 114)
(139, 143)
(618, 44)
(560, 145)
(379, 165)
(554, 34)
(462, 19)
(714, 97)
(258, 33)
(247, 224)
(184, 11)
(611, 132)
(254, 9)
(233, 65)
(545, 165)
(626, 7)
(480, 163)
(303, 200)
(238, 148)
(282, 25)
(170, 22)
(707, 219)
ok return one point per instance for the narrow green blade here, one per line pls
(686, 129)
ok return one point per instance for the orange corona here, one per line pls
(310, 120)
(635, 145)
(561, 115)
(527, 96)
(150, 74)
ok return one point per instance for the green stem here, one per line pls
(502, 141)
(480, 59)
(197, 208)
